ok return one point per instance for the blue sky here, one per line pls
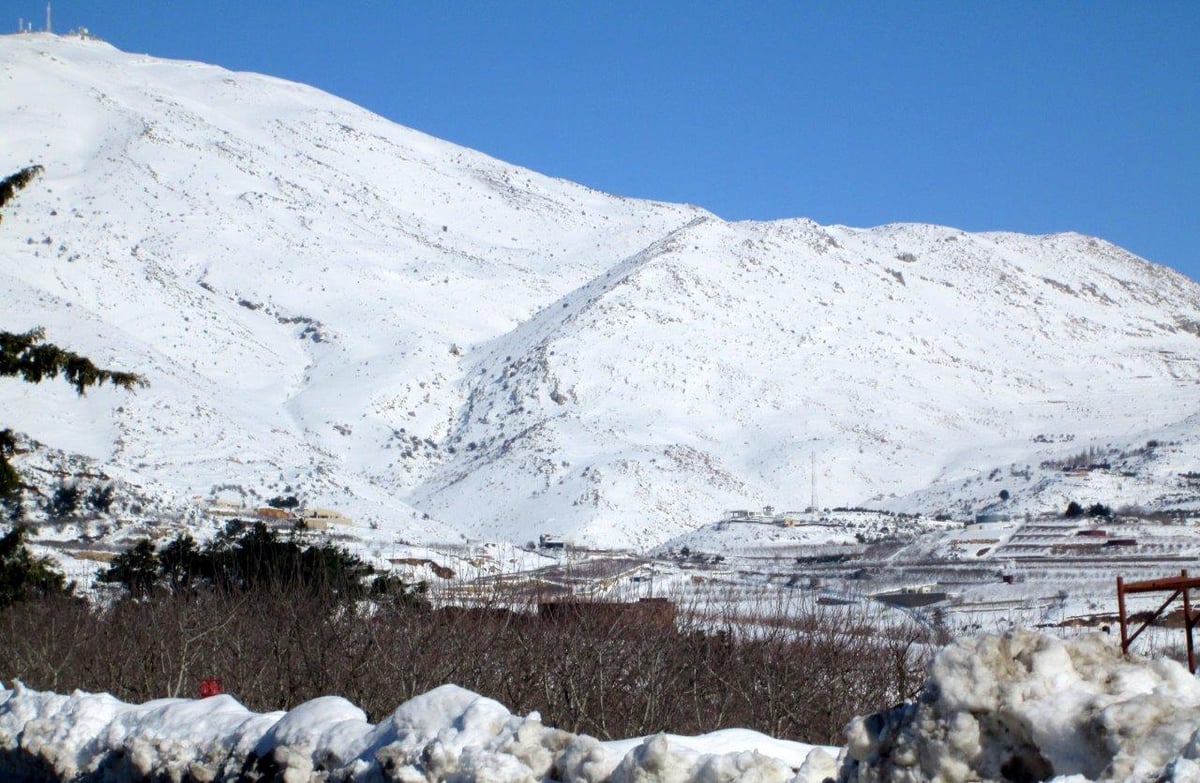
(1034, 117)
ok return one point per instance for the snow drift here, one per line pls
(1026, 707)
(448, 734)
(1018, 707)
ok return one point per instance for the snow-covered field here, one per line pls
(1019, 707)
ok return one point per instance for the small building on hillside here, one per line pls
(321, 518)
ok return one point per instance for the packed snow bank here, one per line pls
(1027, 707)
(448, 734)
(1019, 707)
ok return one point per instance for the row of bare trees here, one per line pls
(609, 674)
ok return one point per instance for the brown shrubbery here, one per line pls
(608, 673)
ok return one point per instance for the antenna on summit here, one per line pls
(48, 28)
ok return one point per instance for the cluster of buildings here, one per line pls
(307, 518)
(768, 516)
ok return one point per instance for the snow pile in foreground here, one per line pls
(1027, 707)
(448, 734)
(1019, 707)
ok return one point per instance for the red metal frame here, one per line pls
(1177, 586)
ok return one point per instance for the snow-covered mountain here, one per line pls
(440, 344)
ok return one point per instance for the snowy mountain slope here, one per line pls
(731, 354)
(438, 343)
(293, 274)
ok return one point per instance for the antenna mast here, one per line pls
(48, 28)
(812, 462)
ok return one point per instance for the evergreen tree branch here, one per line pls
(11, 184)
(27, 356)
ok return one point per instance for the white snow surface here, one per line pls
(440, 345)
(448, 734)
(1025, 706)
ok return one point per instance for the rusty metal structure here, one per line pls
(1177, 586)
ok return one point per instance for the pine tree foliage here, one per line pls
(27, 356)
(137, 568)
(10, 480)
(251, 557)
(23, 576)
(11, 184)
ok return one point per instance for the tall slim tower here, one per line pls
(812, 461)
(49, 29)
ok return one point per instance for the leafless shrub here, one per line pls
(799, 671)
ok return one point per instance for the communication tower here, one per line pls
(812, 462)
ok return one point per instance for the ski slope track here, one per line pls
(440, 345)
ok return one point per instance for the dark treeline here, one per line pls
(250, 557)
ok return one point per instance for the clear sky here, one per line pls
(1034, 117)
